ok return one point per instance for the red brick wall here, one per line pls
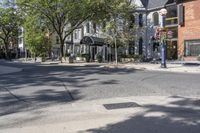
(191, 28)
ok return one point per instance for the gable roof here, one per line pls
(145, 3)
(154, 4)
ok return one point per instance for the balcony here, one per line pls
(171, 22)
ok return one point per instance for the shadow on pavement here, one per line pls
(39, 85)
(183, 117)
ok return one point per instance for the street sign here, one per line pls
(170, 34)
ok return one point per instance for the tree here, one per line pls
(119, 29)
(10, 20)
(36, 36)
(67, 15)
(63, 15)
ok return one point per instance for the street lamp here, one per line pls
(163, 13)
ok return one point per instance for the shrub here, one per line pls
(99, 58)
(138, 58)
(71, 59)
(198, 58)
(86, 56)
(43, 56)
(67, 54)
(123, 56)
(78, 55)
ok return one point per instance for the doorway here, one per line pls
(94, 52)
(172, 50)
(140, 46)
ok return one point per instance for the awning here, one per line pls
(69, 42)
(90, 40)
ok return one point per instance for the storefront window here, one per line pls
(192, 48)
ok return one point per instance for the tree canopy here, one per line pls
(10, 20)
(67, 15)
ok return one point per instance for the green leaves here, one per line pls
(35, 38)
(10, 20)
(118, 18)
(59, 14)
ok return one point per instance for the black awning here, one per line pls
(69, 42)
(90, 40)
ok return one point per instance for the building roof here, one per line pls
(154, 4)
(145, 2)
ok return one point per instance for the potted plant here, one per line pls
(43, 57)
(198, 58)
(99, 58)
(87, 57)
(71, 59)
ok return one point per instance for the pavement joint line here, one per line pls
(67, 90)
(15, 96)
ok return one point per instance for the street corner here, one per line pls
(8, 70)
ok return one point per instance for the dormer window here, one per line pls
(155, 19)
(140, 20)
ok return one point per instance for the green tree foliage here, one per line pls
(63, 15)
(36, 38)
(67, 15)
(118, 22)
(10, 19)
(119, 28)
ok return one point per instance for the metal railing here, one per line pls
(171, 21)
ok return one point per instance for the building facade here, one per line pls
(181, 26)
(189, 29)
(154, 21)
(89, 38)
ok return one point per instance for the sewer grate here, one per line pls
(121, 105)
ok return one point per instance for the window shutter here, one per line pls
(181, 14)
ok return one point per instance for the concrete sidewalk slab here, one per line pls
(157, 114)
(156, 67)
(7, 69)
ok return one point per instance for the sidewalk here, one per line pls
(172, 67)
(151, 114)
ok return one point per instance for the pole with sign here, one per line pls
(163, 13)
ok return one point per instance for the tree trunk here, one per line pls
(6, 50)
(116, 54)
(61, 50)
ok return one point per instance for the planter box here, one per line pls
(127, 59)
(80, 58)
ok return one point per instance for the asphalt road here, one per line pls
(41, 85)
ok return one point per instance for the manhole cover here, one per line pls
(120, 105)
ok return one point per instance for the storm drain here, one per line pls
(121, 105)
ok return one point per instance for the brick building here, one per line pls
(189, 29)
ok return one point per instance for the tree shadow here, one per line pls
(38, 86)
(182, 117)
(11, 103)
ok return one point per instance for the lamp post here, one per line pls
(163, 13)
